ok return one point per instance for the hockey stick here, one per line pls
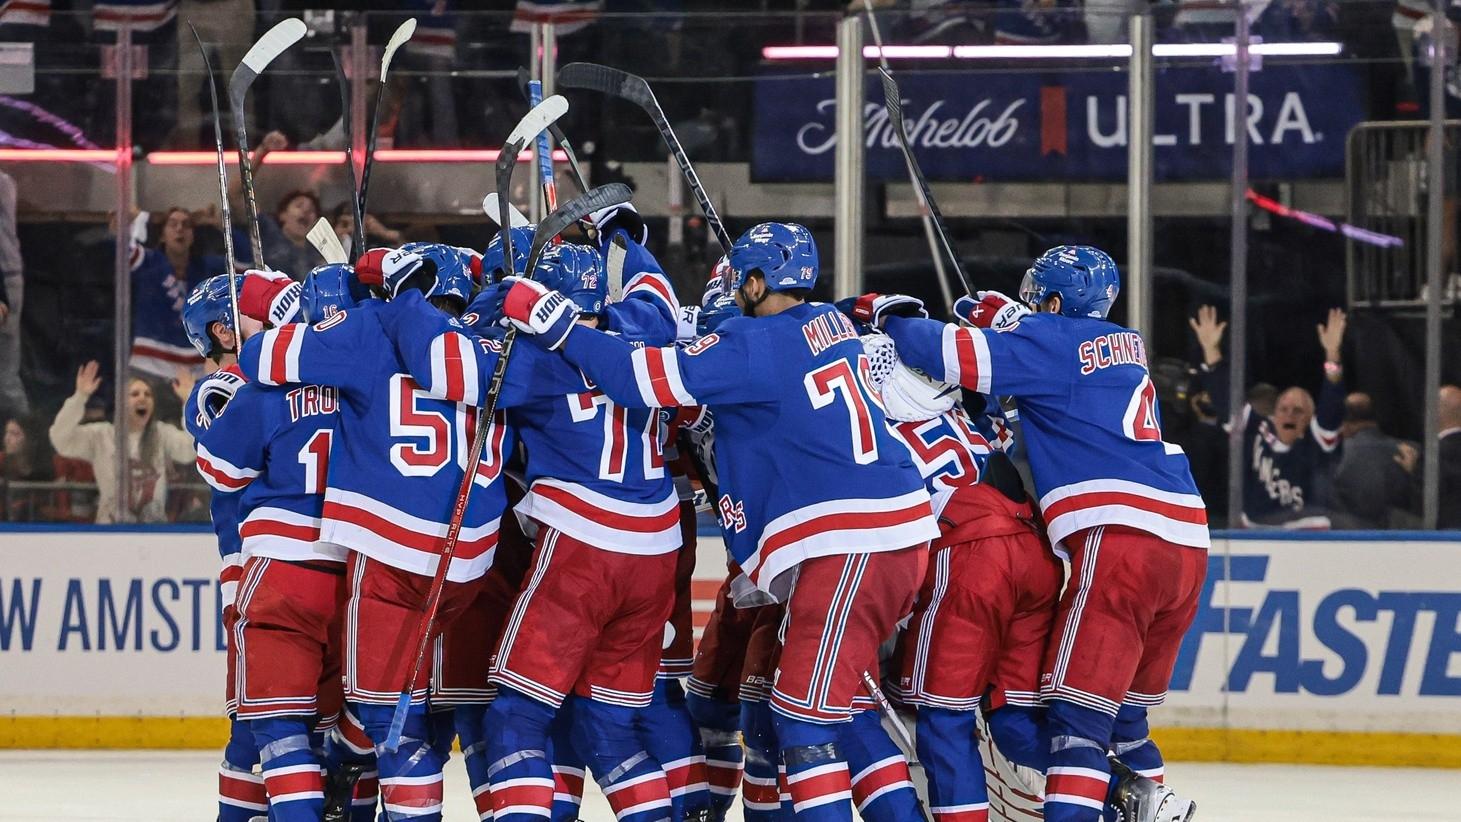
(902, 730)
(493, 211)
(925, 216)
(630, 87)
(557, 132)
(526, 130)
(227, 212)
(893, 100)
(552, 225)
(544, 151)
(323, 237)
(357, 237)
(255, 60)
(402, 33)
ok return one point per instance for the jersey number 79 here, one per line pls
(835, 380)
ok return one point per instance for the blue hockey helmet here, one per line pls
(207, 304)
(328, 289)
(784, 253)
(577, 271)
(493, 266)
(1085, 277)
(450, 270)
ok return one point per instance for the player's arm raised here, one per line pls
(338, 351)
(994, 355)
(446, 358)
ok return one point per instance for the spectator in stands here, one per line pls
(1371, 479)
(151, 445)
(285, 232)
(377, 233)
(160, 284)
(1288, 456)
(12, 283)
(22, 458)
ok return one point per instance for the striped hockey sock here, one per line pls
(950, 756)
(670, 737)
(719, 724)
(816, 772)
(882, 789)
(410, 776)
(518, 769)
(630, 778)
(1077, 782)
(469, 728)
(761, 794)
(241, 794)
(568, 767)
(294, 773)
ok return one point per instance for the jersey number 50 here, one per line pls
(825, 384)
(432, 434)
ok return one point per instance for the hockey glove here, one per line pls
(389, 269)
(269, 297)
(214, 392)
(990, 309)
(485, 311)
(536, 310)
(875, 309)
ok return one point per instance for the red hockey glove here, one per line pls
(269, 297)
(990, 309)
(874, 309)
(387, 268)
(534, 309)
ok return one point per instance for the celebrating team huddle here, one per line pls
(856, 457)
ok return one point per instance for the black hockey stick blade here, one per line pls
(573, 211)
(357, 237)
(893, 101)
(225, 211)
(263, 52)
(526, 131)
(523, 78)
(633, 88)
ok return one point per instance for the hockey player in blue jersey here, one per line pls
(810, 479)
(397, 461)
(591, 620)
(271, 448)
(208, 322)
(1109, 488)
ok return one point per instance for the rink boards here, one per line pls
(1330, 648)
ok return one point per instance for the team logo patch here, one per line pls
(732, 514)
(702, 345)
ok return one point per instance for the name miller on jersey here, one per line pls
(825, 330)
(1116, 348)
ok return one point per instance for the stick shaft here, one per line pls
(225, 210)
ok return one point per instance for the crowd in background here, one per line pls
(1314, 455)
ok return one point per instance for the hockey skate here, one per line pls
(1139, 799)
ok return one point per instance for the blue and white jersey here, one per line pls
(1089, 414)
(806, 464)
(399, 453)
(595, 469)
(949, 451)
(640, 287)
(222, 508)
(271, 448)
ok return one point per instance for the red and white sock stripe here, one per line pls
(352, 733)
(1077, 786)
(761, 794)
(638, 794)
(294, 783)
(367, 790)
(408, 796)
(686, 775)
(822, 785)
(724, 777)
(528, 796)
(879, 778)
(972, 812)
(482, 798)
(568, 784)
(242, 790)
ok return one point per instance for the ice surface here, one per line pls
(168, 786)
